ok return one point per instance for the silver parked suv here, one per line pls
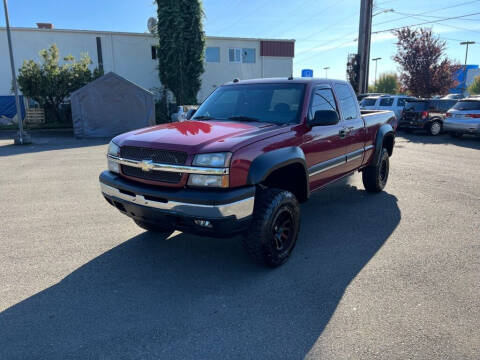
(463, 117)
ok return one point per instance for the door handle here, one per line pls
(345, 131)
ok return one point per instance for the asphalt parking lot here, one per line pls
(389, 276)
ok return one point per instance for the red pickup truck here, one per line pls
(252, 152)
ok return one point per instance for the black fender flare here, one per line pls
(384, 131)
(266, 163)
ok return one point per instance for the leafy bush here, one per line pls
(474, 88)
(387, 83)
(50, 83)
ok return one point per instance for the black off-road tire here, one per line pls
(161, 231)
(375, 176)
(275, 227)
(435, 128)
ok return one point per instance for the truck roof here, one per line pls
(284, 80)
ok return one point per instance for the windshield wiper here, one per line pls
(243, 118)
(203, 117)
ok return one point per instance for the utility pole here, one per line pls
(22, 137)
(326, 71)
(364, 37)
(465, 69)
(376, 61)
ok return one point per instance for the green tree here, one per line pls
(425, 69)
(181, 47)
(387, 83)
(50, 83)
(474, 88)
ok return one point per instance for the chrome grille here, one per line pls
(157, 156)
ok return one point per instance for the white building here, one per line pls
(133, 56)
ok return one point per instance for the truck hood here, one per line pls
(196, 137)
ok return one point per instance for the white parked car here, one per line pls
(395, 103)
(184, 112)
(463, 117)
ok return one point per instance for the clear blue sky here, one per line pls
(324, 29)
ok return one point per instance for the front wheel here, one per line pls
(435, 128)
(274, 229)
(162, 232)
(375, 176)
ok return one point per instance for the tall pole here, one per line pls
(376, 61)
(22, 137)
(364, 37)
(326, 71)
(465, 68)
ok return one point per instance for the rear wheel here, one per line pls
(161, 231)
(375, 176)
(275, 226)
(435, 128)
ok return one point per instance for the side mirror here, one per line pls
(325, 117)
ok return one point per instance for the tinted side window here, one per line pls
(386, 102)
(348, 104)
(322, 99)
(467, 105)
(401, 102)
(368, 102)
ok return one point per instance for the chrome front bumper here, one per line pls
(238, 209)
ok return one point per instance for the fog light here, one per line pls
(204, 223)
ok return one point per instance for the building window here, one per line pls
(212, 54)
(245, 55)
(154, 52)
(235, 55)
(248, 56)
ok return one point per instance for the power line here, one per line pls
(242, 18)
(306, 21)
(442, 18)
(429, 11)
(424, 23)
(341, 21)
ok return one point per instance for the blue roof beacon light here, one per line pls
(307, 73)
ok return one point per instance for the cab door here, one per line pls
(353, 133)
(323, 146)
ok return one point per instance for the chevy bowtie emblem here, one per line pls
(146, 165)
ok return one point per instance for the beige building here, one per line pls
(133, 55)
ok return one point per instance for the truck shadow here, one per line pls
(190, 297)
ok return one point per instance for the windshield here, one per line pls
(368, 102)
(270, 103)
(467, 105)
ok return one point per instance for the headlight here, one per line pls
(208, 180)
(113, 149)
(212, 160)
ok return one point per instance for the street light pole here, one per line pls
(465, 68)
(326, 71)
(22, 137)
(376, 60)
